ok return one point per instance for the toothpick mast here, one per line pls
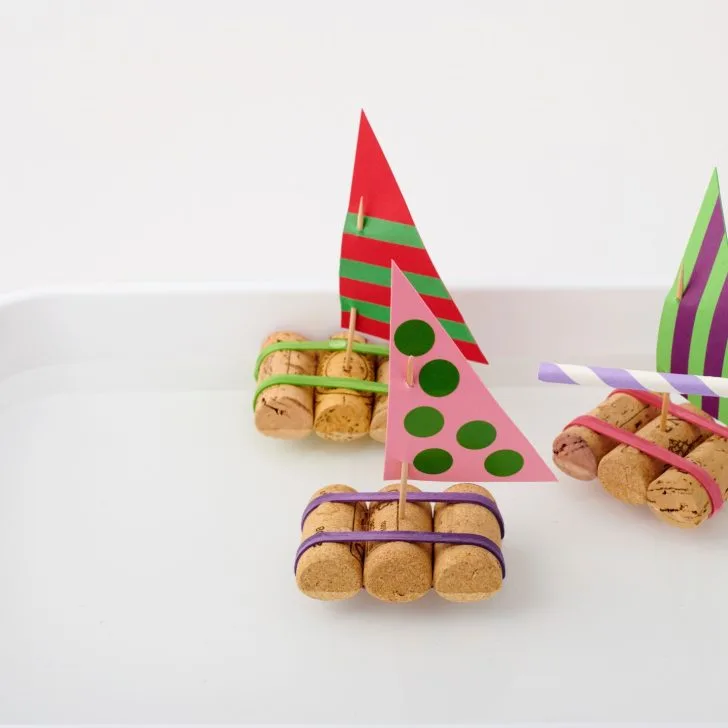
(352, 310)
(379, 229)
(666, 395)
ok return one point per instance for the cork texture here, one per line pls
(678, 498)
(577, 451)
(398, 571)
(343, 414)
(331, 571)
(466, 573)
(378, 426)
(285, 411)
(625, 472)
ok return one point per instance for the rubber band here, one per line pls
(679, 411)
(311, 380)
(330, 345)
(379, 497)
(461, 539)
(659, 453)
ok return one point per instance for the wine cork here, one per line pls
(678, 498)
(625, 472)
(397, 571)
(577, 451)
(285, 411)
(378, 426)
(331, 571)
(466, 573)
(343, 414)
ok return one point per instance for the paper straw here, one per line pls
(634, 379)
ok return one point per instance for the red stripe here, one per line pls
(380, 330)
(376, 252)
(471, 352)
(373, 180)
(372, 293)
(367, 326)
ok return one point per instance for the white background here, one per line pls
(540, 143)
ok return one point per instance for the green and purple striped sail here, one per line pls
(693, 333)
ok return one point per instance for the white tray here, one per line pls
(147, 534)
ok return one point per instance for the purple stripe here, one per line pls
(461, 539)
(548, 372)
(618, 378)
(688, 306)
(715, 350)
(393, 495)
(688, 384)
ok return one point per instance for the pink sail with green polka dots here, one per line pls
(447, 426)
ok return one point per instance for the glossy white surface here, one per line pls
(147, 534)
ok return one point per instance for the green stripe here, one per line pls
(371, 310)
(309, 380)
(723, 404)
(705, 315)
(330, 345)
(456, 330)
(381, 276)
(384, 230)
(666, 330)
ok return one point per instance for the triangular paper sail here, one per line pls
(446, 426)
(388, 234)
(693, 331)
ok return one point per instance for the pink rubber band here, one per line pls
(679, 411)
(658, 452)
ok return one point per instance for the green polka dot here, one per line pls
(439, 377)
(433, 461)
(476, 435)
(423, 421)
(414, 337)
(504, 463)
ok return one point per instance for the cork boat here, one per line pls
(338, 388)
(444, 425)
(642, 447)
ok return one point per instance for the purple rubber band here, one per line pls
(379, 497)
(460, 539)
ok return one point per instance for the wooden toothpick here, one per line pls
(663, 411)
(680, 282)
(410, 376)
(402, 492)
(360, 215)
(350, 339)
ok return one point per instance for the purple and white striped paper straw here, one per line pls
(633, 379)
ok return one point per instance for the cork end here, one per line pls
(344, 421)
(398, 572)
(285, 419)
(668, 502)
(679, 520)
(329, 577)
(378, 427)
(378, 430)
(573, 456)
(467, 574)
(621, 482)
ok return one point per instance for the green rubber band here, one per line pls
(330, 345)
(309, 380)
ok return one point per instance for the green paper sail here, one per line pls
(693, 333)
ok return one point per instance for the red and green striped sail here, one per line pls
(693, 333)
(388, 234)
